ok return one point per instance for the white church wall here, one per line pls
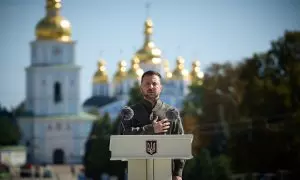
(101, 89)
(41, 92)
(47, 135)
(81, 131)
(52, 52)
(26, 128)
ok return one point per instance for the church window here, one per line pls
(56, 51)
(57, 93)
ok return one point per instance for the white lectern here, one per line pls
(149, 156)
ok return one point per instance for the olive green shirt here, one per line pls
(141, 124)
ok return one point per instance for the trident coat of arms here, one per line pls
(151, 146)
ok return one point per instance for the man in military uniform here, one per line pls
(150, 116)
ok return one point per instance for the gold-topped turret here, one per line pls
(53, 26)
(180, 73)
(149, 53)
(135, 71)
(100, 75)
(121, 73)
(196, 75)
(167, 70)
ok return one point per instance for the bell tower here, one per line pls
(52, 78)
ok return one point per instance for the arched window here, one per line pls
(57, 93)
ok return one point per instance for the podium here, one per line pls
(149, 156)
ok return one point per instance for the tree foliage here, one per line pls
(262, 106)
(9, 130)
(204, 166)
(271, 95)
(97, 154)
(260, 96)
(134, 94)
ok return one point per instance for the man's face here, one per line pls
(151, 87)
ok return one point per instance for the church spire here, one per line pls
(135, 71)
(180, 73)
(101, 75)
(149, 53)
(53, 7)
(53, 26)
(148, 25)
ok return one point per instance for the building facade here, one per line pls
(109, 96)
(54, 129)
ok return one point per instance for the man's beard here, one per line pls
(151, 96)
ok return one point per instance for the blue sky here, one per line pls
(211, 31)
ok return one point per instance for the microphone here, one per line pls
(172, 114)
(127, 113)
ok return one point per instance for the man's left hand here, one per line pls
(176, 178)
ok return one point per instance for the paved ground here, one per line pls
(60, 172)
(62, 169)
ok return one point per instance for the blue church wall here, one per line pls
(81, 129)
(73, 106)
(26, 130)
(113, 109)
(40, 129)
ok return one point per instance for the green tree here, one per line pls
(10, 133)
(134, 94)
(97, 154)
(203, 166)
(221, 168)
(271, 94)
(199, 167)
(193, 102)
(272, 81)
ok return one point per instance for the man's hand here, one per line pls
(176, 178)
(161, 126)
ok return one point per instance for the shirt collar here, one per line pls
(148, 105)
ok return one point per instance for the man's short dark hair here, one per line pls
(150, 73)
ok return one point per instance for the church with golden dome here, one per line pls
(54, 129)
(55, 125)
(109, 96)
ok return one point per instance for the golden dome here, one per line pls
(180, 73)
(121, 73)
(168, 73)
(100, 75)
(135, 71)
(53, 26)
(196, 76)
(149, 53)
